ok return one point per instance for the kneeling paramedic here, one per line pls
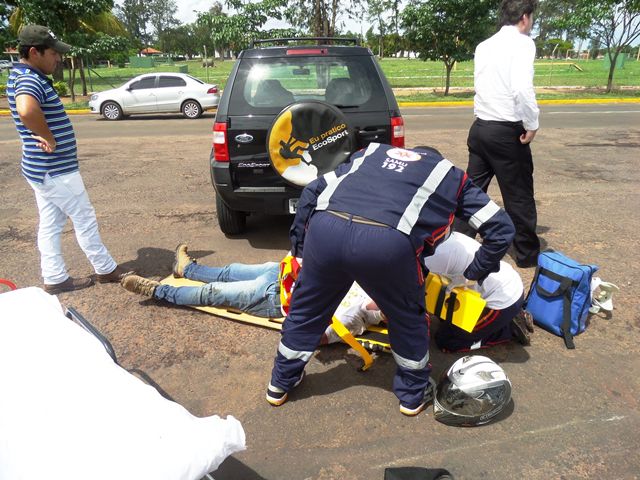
(502, 319)
(373, 220)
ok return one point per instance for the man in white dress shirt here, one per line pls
(506, 123)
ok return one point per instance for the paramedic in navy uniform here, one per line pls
(506, 123)
(373, 220)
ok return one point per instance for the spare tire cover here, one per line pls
(308, 139)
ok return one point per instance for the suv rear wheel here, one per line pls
(232, 222)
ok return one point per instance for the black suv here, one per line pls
(263, 82)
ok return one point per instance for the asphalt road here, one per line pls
(575, 413)
(417, 119)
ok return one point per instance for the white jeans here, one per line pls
(58, 198)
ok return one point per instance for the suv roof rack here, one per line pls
(327, 40)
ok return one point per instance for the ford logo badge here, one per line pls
(244, 138)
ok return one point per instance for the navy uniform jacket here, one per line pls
(417, 193)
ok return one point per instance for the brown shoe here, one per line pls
(182, 260)
(114, 276)
(68, 285)
(522, 328)
(138, 284)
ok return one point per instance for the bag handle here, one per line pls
(563, 289)
(565, 283)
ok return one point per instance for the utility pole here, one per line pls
(206, 62)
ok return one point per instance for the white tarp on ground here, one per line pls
(68, 412)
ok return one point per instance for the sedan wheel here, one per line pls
(111, 111)
(191, 109)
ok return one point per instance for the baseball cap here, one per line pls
(39, 35)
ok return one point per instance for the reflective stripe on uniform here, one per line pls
(294, 354)
(325, 196)
(484, 214)
(330, 177)
(411, 364)
(412, 213)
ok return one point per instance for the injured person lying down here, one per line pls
(250, 288)
(256, 290)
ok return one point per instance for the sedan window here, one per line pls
(171, 82)
(146, 82)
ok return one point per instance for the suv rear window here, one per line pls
(267, 85)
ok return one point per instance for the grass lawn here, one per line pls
(415, 80)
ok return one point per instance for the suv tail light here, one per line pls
(213, 90)
(220, 145)
(397, 132)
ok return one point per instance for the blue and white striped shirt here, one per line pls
(26, 80)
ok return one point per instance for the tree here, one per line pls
(6, 36)
(162, 16)
(376, 15)
(135, 16)
(221, 31)
(549, 18)
(180, 40)
(615, 23)
(319, 17)
(448, 30)
(77, 22)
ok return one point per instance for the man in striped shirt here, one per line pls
(50, 163)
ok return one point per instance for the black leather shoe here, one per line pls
(68, 285)
(528, 262)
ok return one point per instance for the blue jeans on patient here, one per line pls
(252, 289)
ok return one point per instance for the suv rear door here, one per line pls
(263, 86)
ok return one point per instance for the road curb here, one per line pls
(469, 103)
(465, 103)
(69, 112)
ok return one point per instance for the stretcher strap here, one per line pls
(350, 340)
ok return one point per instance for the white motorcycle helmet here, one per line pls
(473, 391)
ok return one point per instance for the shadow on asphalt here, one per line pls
(153, 261)
(267, 231)
(234, 469)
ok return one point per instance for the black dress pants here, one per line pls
(495, 149)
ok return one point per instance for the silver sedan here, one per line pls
(156, 93)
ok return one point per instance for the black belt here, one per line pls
(356, 218)
(499, 122)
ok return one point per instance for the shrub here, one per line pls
(3, 90)
(61, 88)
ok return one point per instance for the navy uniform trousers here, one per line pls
(495, 149)
(383, 261)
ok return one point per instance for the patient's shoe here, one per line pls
(138, 284)
(182, 260)
(413, 410)
(276, 396)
